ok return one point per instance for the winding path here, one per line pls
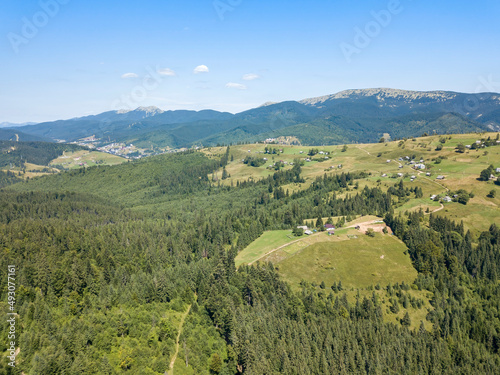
(181, 324)
(282, 246)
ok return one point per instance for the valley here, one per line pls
(203, 260)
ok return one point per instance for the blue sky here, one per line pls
(68, 58)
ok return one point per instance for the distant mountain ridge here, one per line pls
(361, 115)
(12, 124)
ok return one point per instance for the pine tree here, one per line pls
(406, 321)
(319, 223)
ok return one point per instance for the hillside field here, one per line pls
(460, 170)
(86, 158)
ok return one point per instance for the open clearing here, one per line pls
(85, 158)
(262, 245)
(381, 161)
(357, 262)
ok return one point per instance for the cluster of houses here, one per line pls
(478, 144)
(120, 149)
(330, 229)
(445, 199)
(336, 166)
(281, 161)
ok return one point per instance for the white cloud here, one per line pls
(166, 72)
(201, 69)
(238, 86)
(129, 75)
(250, 77)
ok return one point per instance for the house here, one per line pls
(413, 177)
(400, 166)
(433, 197)
(302, 227)
(447, 199)
(329, 227)
(384, 175)
(467, 146)
(497, 170)
(428, 174)
(419, 166)
(388, 160)
(440, 177)
(400, 175)
(308, 232)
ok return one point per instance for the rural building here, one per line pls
(440, 177)
(302, 227)
(308, 232)
(329, 227)
(447, 199)
(497, 170)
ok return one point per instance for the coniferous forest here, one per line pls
(111, 260)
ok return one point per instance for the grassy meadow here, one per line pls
(461, 170)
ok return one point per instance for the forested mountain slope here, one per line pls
(109, 258)
(350, 116)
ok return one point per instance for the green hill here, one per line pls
(40, 153)
(131, 268)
